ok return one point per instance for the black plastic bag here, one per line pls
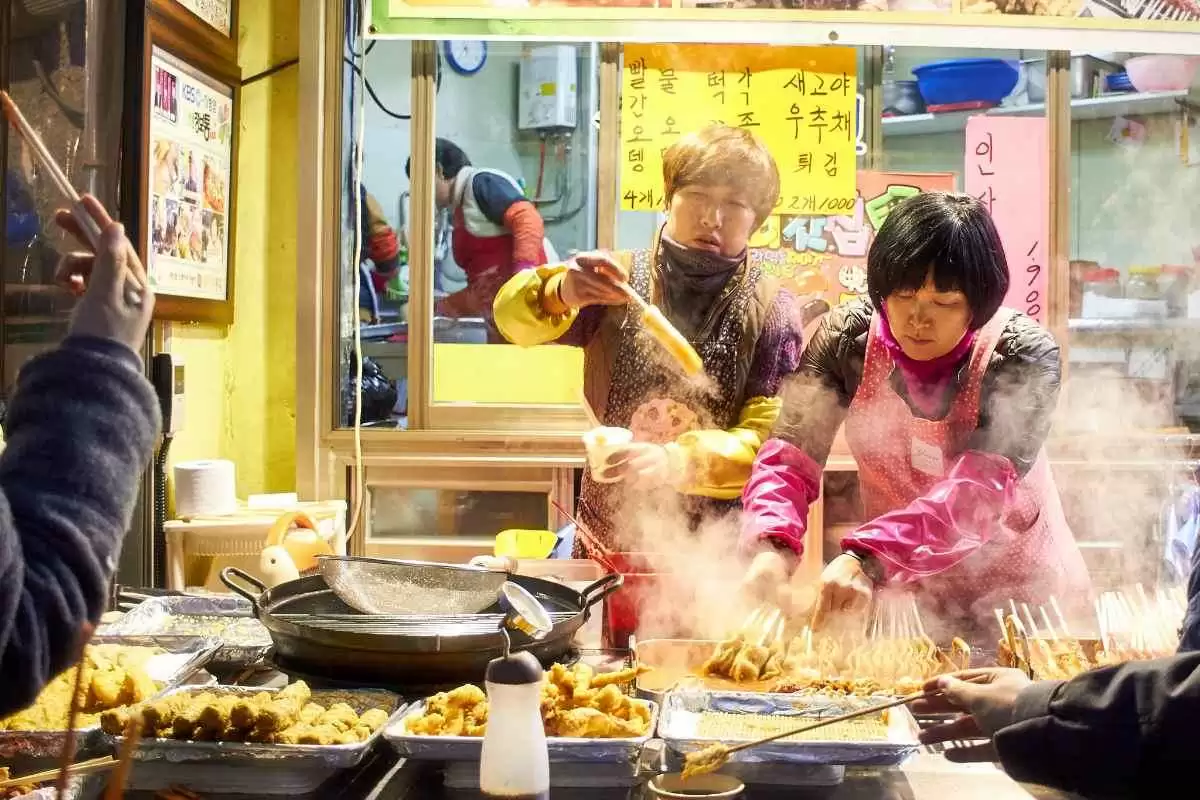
(378, 393)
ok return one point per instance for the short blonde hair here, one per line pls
(722, 155)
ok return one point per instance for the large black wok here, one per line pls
(317, 634)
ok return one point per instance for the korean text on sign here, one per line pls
(1007, 169)
(799, 100)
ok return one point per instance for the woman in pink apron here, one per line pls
(947, 398)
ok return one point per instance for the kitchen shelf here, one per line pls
(1104, 107)
(1131, 326)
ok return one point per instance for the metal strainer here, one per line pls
(384, 586)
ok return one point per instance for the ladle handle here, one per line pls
(227, 577)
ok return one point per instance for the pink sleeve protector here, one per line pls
(938, 530)
(784, 481)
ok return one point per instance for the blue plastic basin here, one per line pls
(966, 80)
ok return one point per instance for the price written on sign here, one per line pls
(799, 100)
(1006, 168)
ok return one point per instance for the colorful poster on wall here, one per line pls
(216, 13)
(1007, 167)
(800, 100)
(191, 141)
(827, 255)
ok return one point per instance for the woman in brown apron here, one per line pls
(946, 397)
(693, 440)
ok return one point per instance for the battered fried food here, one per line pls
(113, 676)
(702, 762)
(576, 703)
(227, 717)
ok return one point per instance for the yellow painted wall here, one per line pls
(241, 388)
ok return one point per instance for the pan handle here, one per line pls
(601, 589)
(227, 577)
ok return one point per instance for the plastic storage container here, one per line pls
(1104, 281)
(1143, 283)
(967, 80)
(1175, 283)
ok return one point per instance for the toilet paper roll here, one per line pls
(205, 488)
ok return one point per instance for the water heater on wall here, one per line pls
(546, 91)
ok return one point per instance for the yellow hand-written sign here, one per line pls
(799, 100)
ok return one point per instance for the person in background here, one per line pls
(380, 246)
(1122, 731)
(81, 427)
(947, 399)
(696, 438)
(497, 232)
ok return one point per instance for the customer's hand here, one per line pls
(591, 280)
(987, 698)
(845, 589)
(99, 280)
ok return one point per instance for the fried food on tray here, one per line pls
(114, 676)
(13, 792)
(577, 703)
(213, 716)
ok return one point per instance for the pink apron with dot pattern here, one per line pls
(1033, 557)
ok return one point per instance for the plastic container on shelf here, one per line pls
(1143, 283)
(1102, 281)
(1175, 283)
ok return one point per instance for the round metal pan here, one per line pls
(316, 633)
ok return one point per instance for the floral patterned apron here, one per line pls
(641, 375)
(901, 457)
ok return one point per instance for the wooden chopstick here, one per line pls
(75, 770)
(862, 712)
(133, 736)
(89, 226)
(77, 700)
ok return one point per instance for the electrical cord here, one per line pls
(160, 511)
(360, 132)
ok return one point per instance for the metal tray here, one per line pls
(681, 712)
(285, 756)
(470, 748)
(244, 640)
(183, 656)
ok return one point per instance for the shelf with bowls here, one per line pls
(1103, 107)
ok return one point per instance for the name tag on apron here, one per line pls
(927, 458)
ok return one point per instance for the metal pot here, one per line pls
(316, 633)
(1085, 72)
(902, 99)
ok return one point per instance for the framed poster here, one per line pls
(208, 24)
(188, 186)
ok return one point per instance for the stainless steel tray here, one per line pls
(470, 748)
(681, 717)
(183, 656)
(244, 640)
(285, 756)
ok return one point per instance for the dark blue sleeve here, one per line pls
(494, 196)
(81, 428)
(1189, 641)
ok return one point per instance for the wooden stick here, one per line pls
(1046, 622)
(133, 736)
(78, 697)
(1062, 621)
(917, 616)
(82, 768)
(862, 712)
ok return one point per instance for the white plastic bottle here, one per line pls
(516, 762)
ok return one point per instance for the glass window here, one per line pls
(406, 516)
(376, 83)
(516, 187)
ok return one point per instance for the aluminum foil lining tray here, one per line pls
(470, 748)
(244, 640)
(683, 712)
(285, 756)
(181, 657)
(74, 791)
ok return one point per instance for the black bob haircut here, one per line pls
(947, 234)
(447, 155)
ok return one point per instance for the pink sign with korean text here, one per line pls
(1007, 167)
